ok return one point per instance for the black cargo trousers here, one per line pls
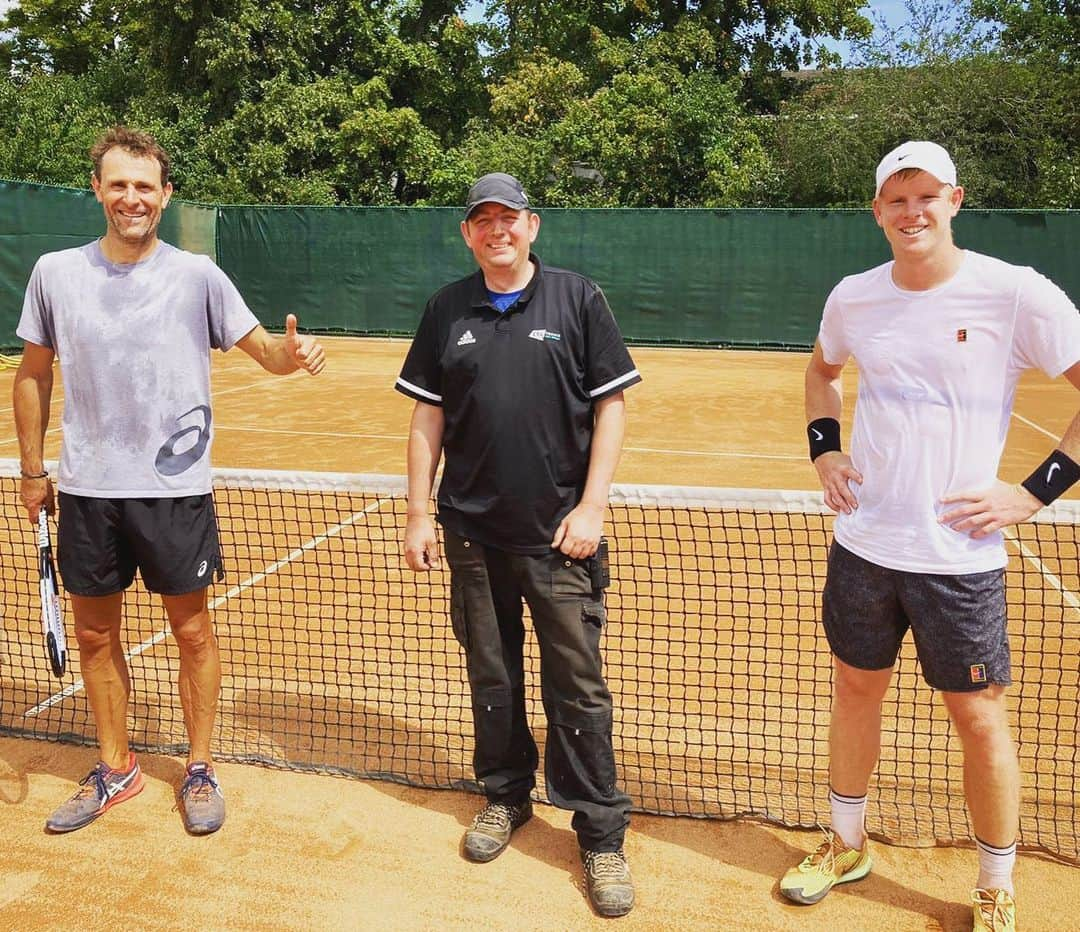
(486, 592)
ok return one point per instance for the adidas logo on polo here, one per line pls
(544, 335)
(466, 338)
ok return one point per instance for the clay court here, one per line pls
(303, 850)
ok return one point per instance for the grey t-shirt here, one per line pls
(134, 346)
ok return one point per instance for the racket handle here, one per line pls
(43, 529)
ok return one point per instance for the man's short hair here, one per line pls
(138, 144)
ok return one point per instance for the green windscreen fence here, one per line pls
(727, 277)
(36, 219)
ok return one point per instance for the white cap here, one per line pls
(928, 156)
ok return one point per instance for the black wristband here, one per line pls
(824, 436)
(1053, 478)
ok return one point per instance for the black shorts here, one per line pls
(173, 542)
(958, 622)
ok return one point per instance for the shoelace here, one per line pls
(991, 908)
(97, 775)
(494, 815)
(826, 852)
(199, 785)
(606, 865)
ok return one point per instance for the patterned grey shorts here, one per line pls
(958, 622)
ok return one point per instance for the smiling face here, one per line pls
(499, 238)
(131, 193)
(915, 212)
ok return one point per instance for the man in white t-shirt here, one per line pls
(940, 336)
(133, 320)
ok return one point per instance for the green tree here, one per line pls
(760, 38)
(996, 117)
(661, 131)
(1046, 31)
(60, 36)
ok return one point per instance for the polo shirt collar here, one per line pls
(480, 292)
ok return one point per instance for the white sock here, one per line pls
(996, 866)
(848, 818)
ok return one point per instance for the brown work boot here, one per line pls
(490, 831)
(608, 882)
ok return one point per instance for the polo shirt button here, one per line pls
(568, 563)
(467, 544)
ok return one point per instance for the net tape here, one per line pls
(336, 658)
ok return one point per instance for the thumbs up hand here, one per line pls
(304, 349)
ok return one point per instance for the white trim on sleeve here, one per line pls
(416, 390)
(632, 374)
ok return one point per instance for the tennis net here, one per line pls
(336, 658)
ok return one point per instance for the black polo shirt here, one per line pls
(517, 391)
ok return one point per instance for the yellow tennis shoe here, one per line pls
(833, 862)
(995, 911)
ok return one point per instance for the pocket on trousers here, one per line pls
(459, 615)
(569, 578)
(585, 739)
(593, 613)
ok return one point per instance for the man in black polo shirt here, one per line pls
(518, 374)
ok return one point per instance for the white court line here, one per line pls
(1034, 426)
(729, 453)
(311, 433)
(78, 685)
(54, 430)
(1067, 595)
(327, 433)
(224, 391)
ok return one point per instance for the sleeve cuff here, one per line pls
(615, 385)
(417, 393)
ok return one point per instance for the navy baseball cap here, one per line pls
(497, 187)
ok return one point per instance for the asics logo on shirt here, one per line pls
(466, 338)
(818, 435)
(1050, 471)
(171, 462)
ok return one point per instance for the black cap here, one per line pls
(498, 187)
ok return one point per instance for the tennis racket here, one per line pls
(52, 621)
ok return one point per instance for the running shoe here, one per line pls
(833, 862)
(995, 911)
(202, 803)
(101, 789)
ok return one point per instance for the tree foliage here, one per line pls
(591, 102)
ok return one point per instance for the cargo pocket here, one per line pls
(459, 616)
(592, 624)
(569, 578)
(583, 739)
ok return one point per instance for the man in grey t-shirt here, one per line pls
(134, 319)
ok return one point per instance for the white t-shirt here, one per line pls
(937, 377)
(134, 346)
